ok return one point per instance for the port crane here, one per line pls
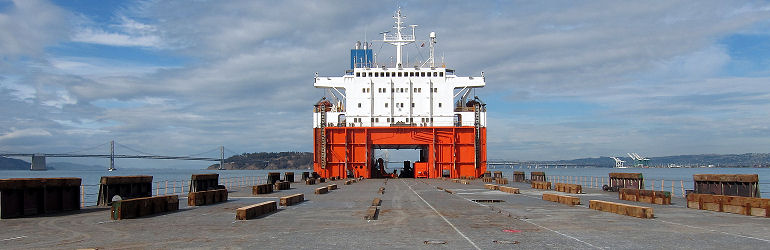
(639, 160)
(618, 162)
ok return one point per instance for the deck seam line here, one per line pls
(442, 216)
(680, 224)
(527, 221)
(738, 235)
(15, 238)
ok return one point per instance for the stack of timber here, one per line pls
(292, 199)
(502, 181)
(332, 187)
(518, 176)
(201, 198)
(727, 184)
(321, 190)
(262, 189)
(622, 209)
(625, 180)
(730, 204)
(487, 179)
(282, 185)
(497, 174)
(310, 181)
(569, 188)
(537, 176)
(541, 185)
(256, 210)
(203, 182)
(646, 196)
(465, 182)
(126, 187)
(32, 196)
(138, 207)
(563, 199)
(506, 189)
(491, 186)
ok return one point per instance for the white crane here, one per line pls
(640, 161)
(618, 162)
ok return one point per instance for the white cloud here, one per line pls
(96, 36)
(30, 25)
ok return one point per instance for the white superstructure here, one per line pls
(399, 95)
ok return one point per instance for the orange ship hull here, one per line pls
(445, 150)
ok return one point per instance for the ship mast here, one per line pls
(399, 39)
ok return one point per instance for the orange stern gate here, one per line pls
(351, 149)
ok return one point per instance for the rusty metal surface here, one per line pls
(746, 185)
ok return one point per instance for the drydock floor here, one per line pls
(414, 214)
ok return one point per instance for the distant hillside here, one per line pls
(268, 160)
(13, 164)
(721, 160)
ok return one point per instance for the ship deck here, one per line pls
(414, 214)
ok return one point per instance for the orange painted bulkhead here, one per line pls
(447, 148)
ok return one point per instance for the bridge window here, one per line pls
(441, 74)
(370, 74)
(435, 90)
(439, 104)
(422, 74)
(412, 105)
(376, 119)
(386, 104)
(435, 73)
(358, 74)
(359, 105)
(399, 74)
(411, 74)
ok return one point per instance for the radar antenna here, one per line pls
(399, 39)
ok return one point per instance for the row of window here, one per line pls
(400, 74)
(399, 105)
(397, 90)
(377, 119)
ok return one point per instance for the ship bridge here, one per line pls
(422, 106)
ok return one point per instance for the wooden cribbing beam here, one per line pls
(332, 186)
(138, 207)
(372, 213)
(310, 181)
(491, 186)
(282, 185)
(262, 189)
(568, 188)
(622, 209)
(449, 191)
(541, 185)
(256, 210)
(487, 179)
(348, 182)
(563, 199)
(321, 190)
(646, 196)
(201, 198)
(511, 190)
(292, 199)
(466, 182)
(730, 204)
(502, 181)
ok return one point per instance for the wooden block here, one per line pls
(321, 190)
(541, 185)
(511, 190)
(372, 213)
(731, 204)
(138, 207)
(292, 199)
(256, 210)
(622, 209)
(332, 186)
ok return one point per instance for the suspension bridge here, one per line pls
(39, 159)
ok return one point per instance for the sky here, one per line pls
(565, 79)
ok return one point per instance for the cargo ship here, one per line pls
(396, 105)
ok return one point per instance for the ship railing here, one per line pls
(677, 187)
(89, 194)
